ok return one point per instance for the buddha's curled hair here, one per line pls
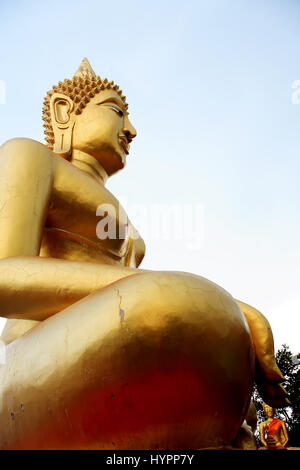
(80, 90)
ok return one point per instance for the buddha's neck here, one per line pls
(89, 164)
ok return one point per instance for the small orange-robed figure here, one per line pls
(273, 433)
(102, 354)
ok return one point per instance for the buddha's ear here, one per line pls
(62, 119)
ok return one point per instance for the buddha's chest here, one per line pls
(85, 222)
(85, 213)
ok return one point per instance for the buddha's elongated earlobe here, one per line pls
(61, 107)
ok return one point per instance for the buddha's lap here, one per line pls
(164, 311)
(190, 343)
(157, 301)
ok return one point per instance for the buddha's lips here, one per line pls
(124, 144)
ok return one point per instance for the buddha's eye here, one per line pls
(116, 109)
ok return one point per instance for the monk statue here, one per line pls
(273, 433)
(99, 353)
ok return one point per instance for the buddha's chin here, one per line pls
(116, 164)
(112, 162)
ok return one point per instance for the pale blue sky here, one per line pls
(209, 86)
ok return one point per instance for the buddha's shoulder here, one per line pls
(22, 141)
(22, 147)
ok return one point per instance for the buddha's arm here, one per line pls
(263, 341)
(33, 288)
(267, 373)
(26, 181)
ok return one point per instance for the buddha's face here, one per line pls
(269, 412)
(104, 131)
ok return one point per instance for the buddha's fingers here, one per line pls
(273, 394)
(26, 177)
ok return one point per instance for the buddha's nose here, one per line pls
(128, 130)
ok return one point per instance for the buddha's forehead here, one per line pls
(108, 95)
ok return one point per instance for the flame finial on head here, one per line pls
(85, 70)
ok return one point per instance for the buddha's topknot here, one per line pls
(83, 86)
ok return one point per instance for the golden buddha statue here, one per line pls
(101, 354)
(273, 433)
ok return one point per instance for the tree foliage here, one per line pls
(291, 414)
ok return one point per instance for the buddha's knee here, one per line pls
(185, 299)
